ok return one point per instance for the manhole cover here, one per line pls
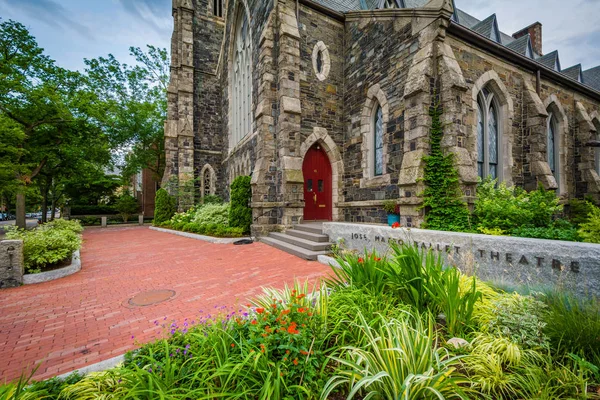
(151, 297)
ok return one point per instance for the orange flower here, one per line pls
(301, 310)
(304, 352)
(310, 314)
(260, 310)
(285, 312)
(292, 328)
(232, 344)
(396, 225)
(248, 305)
(253, 322)
(287, 352)
(301, 296)
(295, 361)
(360, 260)
(377, 259)
(268, 329)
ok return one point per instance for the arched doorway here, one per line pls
(316, 169)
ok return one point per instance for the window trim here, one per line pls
(376, 115)
(375, 98)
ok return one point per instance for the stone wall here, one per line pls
(504, 260)
(379, 53)
(526, 129)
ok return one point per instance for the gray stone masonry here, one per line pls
(11, 263)
(503, 260)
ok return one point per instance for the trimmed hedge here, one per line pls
(93, 210)
(240, 215)
(165, 206)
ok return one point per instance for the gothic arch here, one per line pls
(321, 136)
(595, 118)
(375, 98)
(492, 81)
(208, 181)
(553, 104)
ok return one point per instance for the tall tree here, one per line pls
(50, 111)
(135, 105)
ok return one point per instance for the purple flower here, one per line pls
(133, 337)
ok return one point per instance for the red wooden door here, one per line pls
(317, 185)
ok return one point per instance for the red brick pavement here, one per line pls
(85, 318)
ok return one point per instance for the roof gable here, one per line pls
(550, 60)
(489, 28)
(574, 72)
(591, 77)
(522, 46)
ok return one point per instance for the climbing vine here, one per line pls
(442, 198)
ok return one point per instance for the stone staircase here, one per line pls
(305, 241)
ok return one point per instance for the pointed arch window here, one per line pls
(378, 141)
(552, 131)
(597, 149)
(207, 182)
(488, 135)
(241, 81)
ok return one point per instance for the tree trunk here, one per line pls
(45, 190)
(21, 221)
(53, 212)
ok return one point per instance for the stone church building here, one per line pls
(325, 104)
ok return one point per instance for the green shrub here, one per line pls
(573, 325)
(240, 214)
(93, 210)
(552, 233)
(519, 318)
(501, 207)
(165, 206)
(590, 230)
(48, 244)
(212, 199)
(89, 221)
(127, 205)
(212, 214)
(579, 210)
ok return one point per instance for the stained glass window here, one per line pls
(320, 62)
(488, 136)
(241, 82)
(378, 141)
(207, 182)
(552, 143)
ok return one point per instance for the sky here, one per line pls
(71, 30)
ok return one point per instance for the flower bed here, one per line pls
(49, 246)
(388, 328)
(207, 219)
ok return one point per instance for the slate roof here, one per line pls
(487, 28)
(519, 45)
(573, 72)
(591, 77)
(550, 60)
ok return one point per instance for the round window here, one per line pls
(321, 61)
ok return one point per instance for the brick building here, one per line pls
(325, 104)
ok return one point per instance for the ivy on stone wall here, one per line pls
(240, 213)
(444, 207)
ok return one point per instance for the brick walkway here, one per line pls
(85, 318)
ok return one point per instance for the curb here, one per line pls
(97, 367)
(75, 266)
(208, 239)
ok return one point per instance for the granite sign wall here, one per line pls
(502, 259)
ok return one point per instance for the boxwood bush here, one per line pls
(48, 244)
(165, 206)
(240, 214)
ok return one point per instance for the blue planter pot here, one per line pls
(393, 218)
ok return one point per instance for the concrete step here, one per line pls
(304, 243)
(315, 237)
(292, 249)
(312, 228)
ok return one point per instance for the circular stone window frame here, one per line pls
(325, 58)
